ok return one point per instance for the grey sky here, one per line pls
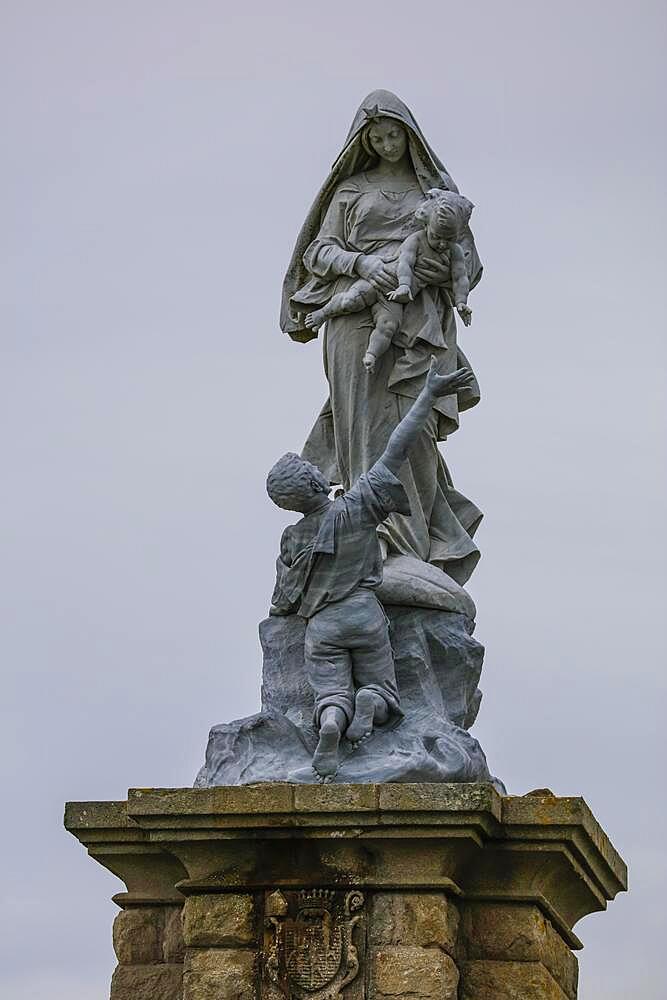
(146, 390)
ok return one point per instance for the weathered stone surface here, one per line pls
(232, 801)
(137, 936)
(313, 941)
(219, 974)
(387, 841)
(222, 921)
(173, 945)
(424, 797)
(147, 982)
(438, 665)
(508, 981)
(334, 799)
(413, 583)
(417, 973)
(409, 918)
(541, 813)
(518, 932)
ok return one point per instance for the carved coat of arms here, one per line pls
(309, 949)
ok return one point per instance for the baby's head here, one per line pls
(295, 484)
(445, 215)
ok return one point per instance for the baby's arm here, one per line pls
(460, 282)
(405, 269)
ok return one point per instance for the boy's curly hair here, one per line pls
(289, 481)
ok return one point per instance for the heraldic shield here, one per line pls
(309, 950)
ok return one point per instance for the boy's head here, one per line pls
(445, 215)
(295, 484)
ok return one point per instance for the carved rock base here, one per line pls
(361, 892)
(438, 666)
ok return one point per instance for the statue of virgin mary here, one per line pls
(362, 214)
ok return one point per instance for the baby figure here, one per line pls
(443, 216)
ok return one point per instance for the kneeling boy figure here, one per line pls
(329, 566)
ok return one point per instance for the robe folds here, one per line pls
(355, 213)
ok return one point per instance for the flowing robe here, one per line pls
(366, 217)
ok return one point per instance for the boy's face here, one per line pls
(295, 484)
(310, 485)
(318, 483)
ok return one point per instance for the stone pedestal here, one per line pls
(366, 892)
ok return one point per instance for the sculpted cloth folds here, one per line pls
(354, 213)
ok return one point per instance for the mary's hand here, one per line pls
(374, 270)
(430, 271)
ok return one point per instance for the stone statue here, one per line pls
(370, 673)
(370, 665)
(355, 229)
(329, 567)
(444, 216)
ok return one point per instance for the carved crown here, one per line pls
(310, 898)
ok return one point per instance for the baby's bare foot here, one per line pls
(315, 319)
(401, 294)
(325, 760)
(369, 362)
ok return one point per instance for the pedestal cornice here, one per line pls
(464, 839)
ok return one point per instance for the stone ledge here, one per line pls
(463, 839)
(97, 816)
(548, 816)
(270, 801)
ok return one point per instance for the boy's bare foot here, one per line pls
(366, 704)
(315, 319)
(325, 760)
(369, 362)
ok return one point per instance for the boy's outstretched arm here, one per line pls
(405, 434)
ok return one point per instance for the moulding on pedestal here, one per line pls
(452, 884)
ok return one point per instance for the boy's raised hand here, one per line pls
(446, 385)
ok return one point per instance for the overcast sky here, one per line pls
(158, 160)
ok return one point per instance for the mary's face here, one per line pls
(388, 139)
